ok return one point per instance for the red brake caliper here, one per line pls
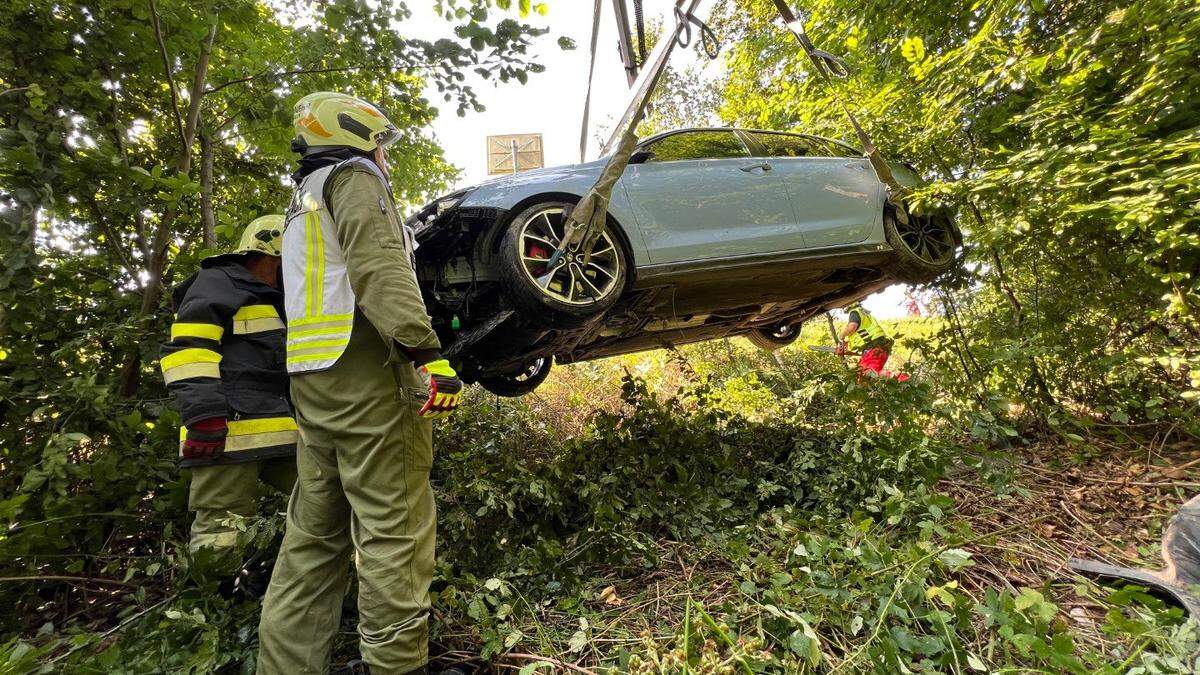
(536, 251)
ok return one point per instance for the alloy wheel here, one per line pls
(579, 277)
(530, 371)
(783, 331)
(930, 239)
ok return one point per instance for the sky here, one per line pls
(551, 103)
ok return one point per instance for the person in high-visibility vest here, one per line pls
(224, 366)
(367, 379)
(863, 334)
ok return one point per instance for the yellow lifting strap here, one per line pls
(830, 67)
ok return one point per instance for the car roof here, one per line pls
(664, 134)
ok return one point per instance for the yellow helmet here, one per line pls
(263, 235)
(333, 120)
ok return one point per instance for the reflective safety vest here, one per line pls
(869, 331)
(317, 294)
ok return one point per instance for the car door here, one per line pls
(833, 191)
(700, 195)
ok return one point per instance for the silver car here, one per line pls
(711, 233)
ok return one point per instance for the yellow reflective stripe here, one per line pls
(188, 363)
(320, 275)
(190, 370)
(257, 433)
(186, 356)
(256, 312)
(205, 331)
(295, 347)
(331, 319)
(261, 425)
(265, 440)
(315, 261)
(257, 325)
(313, 357)
(313, 332)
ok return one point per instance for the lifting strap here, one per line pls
(829, 67)
(587, 99)
(585, 222)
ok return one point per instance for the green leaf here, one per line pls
(513, 638)
(955, 558)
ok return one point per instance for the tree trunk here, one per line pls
(153, 293)
(208, 214)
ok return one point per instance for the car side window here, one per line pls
(697, 145)
(839, 150)
(789, 145)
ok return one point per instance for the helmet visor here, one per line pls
(390, 134)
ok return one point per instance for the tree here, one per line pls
(138, 134)
(1063, 132)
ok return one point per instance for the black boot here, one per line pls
(1181, 553)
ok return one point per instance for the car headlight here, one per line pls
(446, 203)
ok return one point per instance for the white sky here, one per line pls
(551, 103)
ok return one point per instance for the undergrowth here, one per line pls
(745, 514)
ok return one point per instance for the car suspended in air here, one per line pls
(711, 233)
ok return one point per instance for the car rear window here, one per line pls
(697, 145)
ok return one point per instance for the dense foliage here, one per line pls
(1065, 135)
(136, 138)
(776, 513)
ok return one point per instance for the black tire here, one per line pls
(521, 382)
(775, 337)
(924, 248)
(546, 306)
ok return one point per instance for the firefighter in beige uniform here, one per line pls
(367, 377)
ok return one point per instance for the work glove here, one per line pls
(841, 348)
(444, 389)
(206, 439)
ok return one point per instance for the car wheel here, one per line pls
(520, 382)
(581, 284)
(925, 247)
(774, 337)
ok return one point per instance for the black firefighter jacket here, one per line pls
(226, 359)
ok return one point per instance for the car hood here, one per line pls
(543, 175)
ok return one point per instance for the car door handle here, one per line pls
(855, 165)
(761, 165)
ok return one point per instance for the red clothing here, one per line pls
(873, 360)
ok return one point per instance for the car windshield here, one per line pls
(709, 144)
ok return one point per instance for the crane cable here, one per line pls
(639, 22)
(830, 67)
(587, 99)
(587, 218)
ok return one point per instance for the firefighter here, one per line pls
(864, 335)
(224, 365)
(367, 380)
